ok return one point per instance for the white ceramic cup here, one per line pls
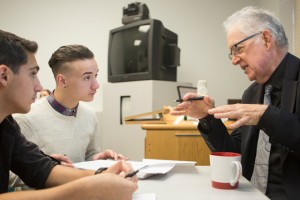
(226, 169)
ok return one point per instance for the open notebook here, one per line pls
(147, 167)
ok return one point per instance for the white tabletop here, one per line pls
(193, 183)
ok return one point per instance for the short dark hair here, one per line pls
(66, 54)
(14, 49)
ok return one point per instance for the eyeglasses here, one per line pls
(235, 50)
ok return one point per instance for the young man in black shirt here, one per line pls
(19, 86)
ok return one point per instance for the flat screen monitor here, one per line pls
(143, 50)
(182, 90)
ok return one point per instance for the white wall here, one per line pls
(197, 22)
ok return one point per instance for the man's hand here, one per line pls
(108, 186)
(196, 109)
(75, 184)
(246, 114)
(122, 168)
(109, 154)
(64, 160)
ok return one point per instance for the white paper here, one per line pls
(143, 196)
(96, 164)
(150, 170)
(147, 167)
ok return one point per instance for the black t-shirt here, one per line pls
(21, 157)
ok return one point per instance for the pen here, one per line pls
(190, 99)
(131, 174)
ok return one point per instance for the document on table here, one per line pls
(95, 164)
(143, 196)
(156, 166)
(147, 167)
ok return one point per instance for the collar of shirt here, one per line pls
(60, 108)
(276, 82)
(277, 76)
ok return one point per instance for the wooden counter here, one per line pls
(175, 142)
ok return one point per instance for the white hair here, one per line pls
(251, 20)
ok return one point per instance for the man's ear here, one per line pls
(61, 80)
(267, 38)
(3, 74)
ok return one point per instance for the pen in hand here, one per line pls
(190, 99)
(134, 172)
(131, 174)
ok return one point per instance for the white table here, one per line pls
(193, 183)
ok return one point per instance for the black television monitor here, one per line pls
(143, 50)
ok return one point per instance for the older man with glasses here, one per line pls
(267, 130)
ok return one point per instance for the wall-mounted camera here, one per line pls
(135, 12)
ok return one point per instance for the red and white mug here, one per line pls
(226, 169)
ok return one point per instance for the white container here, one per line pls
(202, 87)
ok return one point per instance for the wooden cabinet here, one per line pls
(175, 142)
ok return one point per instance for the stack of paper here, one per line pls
(147, 167)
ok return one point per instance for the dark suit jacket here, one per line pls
(284, 129)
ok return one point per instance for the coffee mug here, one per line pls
(226, 169)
